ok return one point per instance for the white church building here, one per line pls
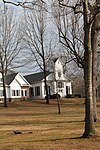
(56, 80)
(33, 86)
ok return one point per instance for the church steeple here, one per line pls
(55, 66)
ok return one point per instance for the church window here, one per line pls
(59, 74)
(37, 91)
(60, 84)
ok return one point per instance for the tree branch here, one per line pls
(24, 4)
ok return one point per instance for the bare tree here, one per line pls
(9, 44)
(75, 44)
(70, 30)
(89, 11)
(24, 3)
(36, 38)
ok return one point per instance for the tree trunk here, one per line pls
(89, 119)
(94, 45)
(45, 81)
(58, 103)
(46, 89)
(4, 91)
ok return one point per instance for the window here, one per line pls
(22, 93)
(60, 90)
(67, 90)
(59, 74)
(25, 92)
(48, 90)
(13, 93)
(1, 80)
(32, 91)
(37, 90)
(60, 84)
(1, 92)
(18, 93)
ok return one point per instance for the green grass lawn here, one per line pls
(43, 128)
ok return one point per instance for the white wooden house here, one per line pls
(17, 87)
(56, 81)
(23, 87)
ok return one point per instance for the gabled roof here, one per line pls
(9, 78)
(36, 77)
(68, 79)
(55, 59)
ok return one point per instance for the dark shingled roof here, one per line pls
(36, 77)
(9, 78)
